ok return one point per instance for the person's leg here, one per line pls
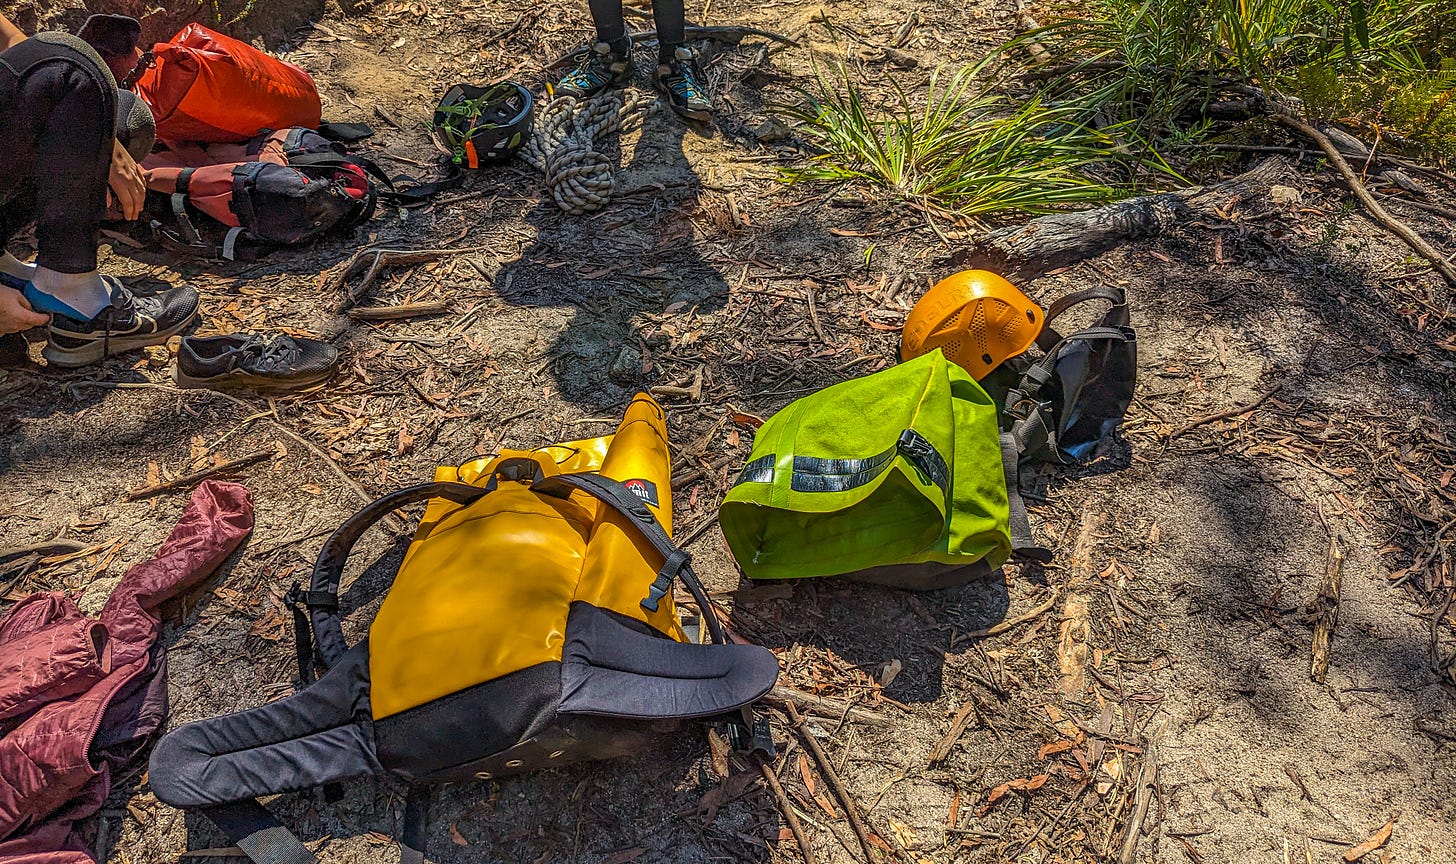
(605, 63)
(671, 28)
(66, 110)
(63, 109)
(611, 26)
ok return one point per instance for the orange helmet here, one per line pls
(977, 318)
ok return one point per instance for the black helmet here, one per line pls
(483, 124)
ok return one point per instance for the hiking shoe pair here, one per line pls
(129, 322)
(597, 67)
(255, 362)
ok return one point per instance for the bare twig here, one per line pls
(187, 481)
(1147, 776)
(787, 808)
(1224, 415)
(826, 768)
(825, 706)
(394, 313)
(998, 629)
(1325, 612)
(8, 552)
(1415, 241)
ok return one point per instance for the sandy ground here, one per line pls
(1183, 562)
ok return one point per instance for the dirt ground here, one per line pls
(1184, 556)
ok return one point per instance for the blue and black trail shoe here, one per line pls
(685, 85)
(129, 322)
(595, 68)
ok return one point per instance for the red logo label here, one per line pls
(643, 489)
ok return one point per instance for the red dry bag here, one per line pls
(207, 87)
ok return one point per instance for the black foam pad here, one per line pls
(320, 735)
(609, 669)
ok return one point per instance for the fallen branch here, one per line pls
(1142, 797)
(187, 481)
(825, 706)
(826, 768)
(1225, 415)
(787, 809)
(8, 552)
(942, 748)
(373, 261)
(998, 629)
(1023, 252)
(1415, 241)
(1324, 611)
(395, 313)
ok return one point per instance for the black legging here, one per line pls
(668, 15)
(57, 125)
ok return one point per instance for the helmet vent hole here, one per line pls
(1031, 316)
(986, 358)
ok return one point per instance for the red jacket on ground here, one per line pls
(81, 698)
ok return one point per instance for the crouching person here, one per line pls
(69, 146)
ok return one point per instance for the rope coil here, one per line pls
(563, 148)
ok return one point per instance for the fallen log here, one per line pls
(1024, 252)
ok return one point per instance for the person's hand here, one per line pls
(15, 313)
(128, 182)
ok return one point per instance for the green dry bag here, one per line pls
(895, 478)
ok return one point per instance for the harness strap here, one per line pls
(416, 820)
(1048, 337)
(259, 833)
(1019, 523)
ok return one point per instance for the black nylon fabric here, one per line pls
(609, 669)
(319, 735)
(469, 724)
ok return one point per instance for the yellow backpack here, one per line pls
(531, 624)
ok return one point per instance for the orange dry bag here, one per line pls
(207, 87)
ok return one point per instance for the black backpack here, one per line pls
(1058, 407)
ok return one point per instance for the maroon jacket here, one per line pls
(80, 699)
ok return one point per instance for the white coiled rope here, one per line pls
(563, 142)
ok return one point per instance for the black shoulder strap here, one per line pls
(1048, 336)
(259, 833)
(676, 563)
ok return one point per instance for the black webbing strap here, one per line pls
(1047, 339)
(244, 177)
(1018, 522)
(394, 189)
(329, 567)
(676, 562)
(179, 209)
(259, 833)
(416, 820)
(265, 841)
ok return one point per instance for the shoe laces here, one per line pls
(271, 354)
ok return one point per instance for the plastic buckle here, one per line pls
(759, 739)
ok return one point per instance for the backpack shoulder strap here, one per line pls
(1049, 337)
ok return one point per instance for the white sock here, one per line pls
(12, 266)
(76, 295)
